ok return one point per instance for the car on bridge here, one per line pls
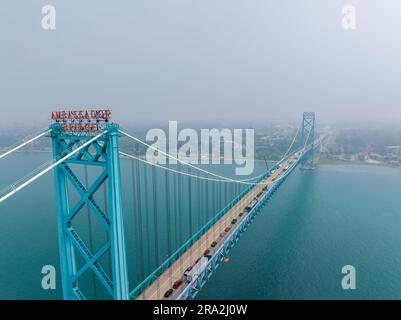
(234, 221)
(251, 205)
(227, 229)
(177, 284)
(168, 293)
(214, 243)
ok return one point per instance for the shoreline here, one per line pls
(355, 163)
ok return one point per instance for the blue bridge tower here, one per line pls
(308, 137)
(103, 153)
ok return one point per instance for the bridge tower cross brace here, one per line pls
(103, 153)
(308, 136)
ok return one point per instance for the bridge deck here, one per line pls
(165, 282)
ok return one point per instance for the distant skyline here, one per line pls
(218, 61)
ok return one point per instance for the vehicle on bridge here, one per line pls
(251, 205)
(177, 284)
(168, 293)
(196, 268)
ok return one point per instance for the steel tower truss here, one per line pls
(103, 153)
(308, 137)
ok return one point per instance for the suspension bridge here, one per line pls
(185, 218)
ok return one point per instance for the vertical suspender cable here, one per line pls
(168, 220)
(190, 207)
(140, 224)
(202, 203)
(208, 211)
(134, 213)
(156, 225)
(198, 203)
(220, 198)
(180, 224)
(147, 218)
(213, 195)
(175, 213)
(225, 194)
(180, 205)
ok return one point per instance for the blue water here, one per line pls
(316, 223)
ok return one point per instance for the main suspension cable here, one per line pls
(179, 160)
(184, 173)
(51, 167)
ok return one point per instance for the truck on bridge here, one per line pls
(196, 269)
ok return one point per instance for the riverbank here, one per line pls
(325, 161)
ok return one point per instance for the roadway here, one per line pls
(176, 271)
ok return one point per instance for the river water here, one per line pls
(315, 224)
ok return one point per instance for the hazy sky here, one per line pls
(243, 61)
